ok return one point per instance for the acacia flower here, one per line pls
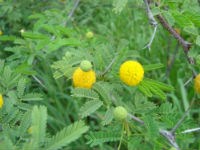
(83, 79)
(1, 101)
(131, 72)
(197, 83)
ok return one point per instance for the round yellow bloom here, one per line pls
(131, 72)
(197, 83)
(1, 101)
(1, 32)
(83, 79)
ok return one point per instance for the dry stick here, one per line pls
(71, 12)
(153, 22)
(167, 134)
(191, 130)
(186, 45)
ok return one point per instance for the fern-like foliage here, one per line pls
(89, 107)
(152, 127)
(97, 138)
(7, 144)
(32, 97)
(104, 91)
(39, 118)
(85, 93)
(154, 88)
(21, 87)
(66, 136)
(108, 117)
(119, 5)
(153, 67)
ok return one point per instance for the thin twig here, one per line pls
(109, 66)
(170, 137)
(191, 130)
(71, 12)
(173, 130)
(182, 118)
(188, 81)
(136, 119)
(38, 80)
(153, 22)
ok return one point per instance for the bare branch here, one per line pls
(72, 12)
(153, 22)
(109, 66)
(136, 119)
(170, 137)
(40, 82)
(191, 130)
(186, 45)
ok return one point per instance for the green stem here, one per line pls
(122, 133)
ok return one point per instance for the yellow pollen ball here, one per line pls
(197, 83)
(1, 101)
(131, 73)
(83, 79)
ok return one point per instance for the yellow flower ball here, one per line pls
(131, 73)
(197, 83)
(1, 101)
(83, 79)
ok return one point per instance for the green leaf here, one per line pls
(7, 38)
(85, 93)
(89, 107)
(183, 94)
(152, 127)
(25, 123)
(21, 87)
(39, 118)
(191, 30)
(104, 91)
(7, 144)
(108, 117)
(198, 40)
(66, 136)
(32, 97)
(161, 85)
(153, 66)
(31, 35)
(145, 90)
(97, 138)
(119, 5)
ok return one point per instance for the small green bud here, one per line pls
(120, 113)
(89, 35)
(86, 65)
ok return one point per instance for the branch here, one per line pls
(186, 45)
(72, 11)
(191, 130)
(170, 135)
(109, 66)
(153, 22)
(136, 119)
